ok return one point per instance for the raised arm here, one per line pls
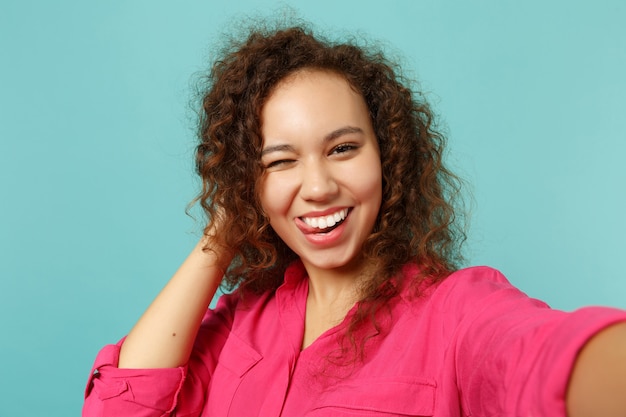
(164, 335)
(598, 383)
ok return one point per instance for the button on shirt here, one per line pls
(470, 345)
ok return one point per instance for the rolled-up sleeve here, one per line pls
(112, 391)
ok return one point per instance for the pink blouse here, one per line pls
(471, 345)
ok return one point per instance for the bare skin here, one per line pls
(164, 335)
(326, 307)
(598, 383)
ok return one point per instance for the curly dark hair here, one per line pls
(418, 220)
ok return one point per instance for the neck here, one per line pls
(336, 287)
(332, 294)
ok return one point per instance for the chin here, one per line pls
(332, 263)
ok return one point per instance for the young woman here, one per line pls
(331, 212)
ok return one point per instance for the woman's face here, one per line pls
(322, 186)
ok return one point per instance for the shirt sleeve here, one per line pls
(114, 392)
(515, 354)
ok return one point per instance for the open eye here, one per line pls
(343, 148)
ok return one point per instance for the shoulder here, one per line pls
(473, 281)
(482, 289)
(467, 291)
(476, 282)
(478, 274)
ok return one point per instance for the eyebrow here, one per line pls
(342, 131)
(276, 148)
(331, 136)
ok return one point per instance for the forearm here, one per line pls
(164, 335)
(597, 386)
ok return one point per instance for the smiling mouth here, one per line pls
(325, 224)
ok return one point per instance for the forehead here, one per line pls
(312, 75)
(312, 100)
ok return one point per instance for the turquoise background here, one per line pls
(97, 137)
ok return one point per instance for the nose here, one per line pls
(318, 182)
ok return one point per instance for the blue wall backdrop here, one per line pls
(97, 137)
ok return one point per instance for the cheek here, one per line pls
(370, 184)
(274, 197)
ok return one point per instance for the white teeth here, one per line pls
(330, 221)
(326, 221)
